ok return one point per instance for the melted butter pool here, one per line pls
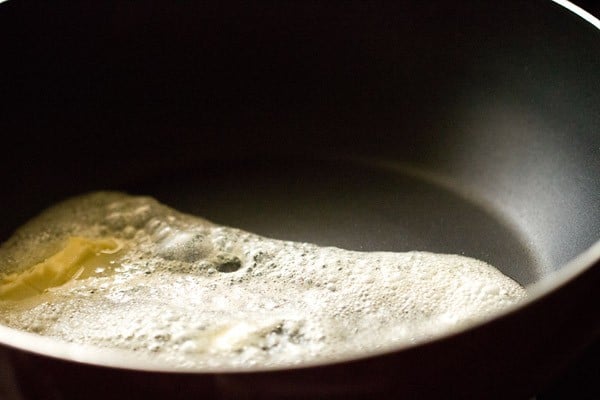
(80, 258)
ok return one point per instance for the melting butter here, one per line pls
(80, 258)
(191, 293)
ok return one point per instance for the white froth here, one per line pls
(195, 294)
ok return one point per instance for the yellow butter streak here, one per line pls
(79, 254)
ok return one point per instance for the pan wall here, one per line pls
(501, 101)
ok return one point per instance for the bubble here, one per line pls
(183, 246)
(227, 263)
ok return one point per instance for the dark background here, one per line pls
(591, 6)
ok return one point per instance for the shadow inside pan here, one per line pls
(344, 204)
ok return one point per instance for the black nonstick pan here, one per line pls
(456, 127)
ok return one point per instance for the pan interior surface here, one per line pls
(347, 204)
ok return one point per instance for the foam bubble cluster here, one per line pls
(195, 294)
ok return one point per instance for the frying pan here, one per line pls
(459, 127)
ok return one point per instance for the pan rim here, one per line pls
(579, 11)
